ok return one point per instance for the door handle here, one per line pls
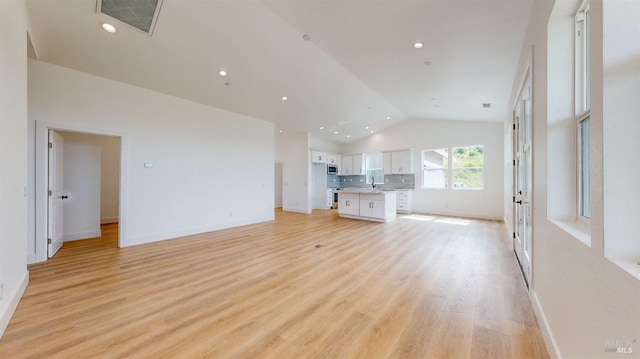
(518, 202)
(64, 197)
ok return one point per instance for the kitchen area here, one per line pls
(372, 187)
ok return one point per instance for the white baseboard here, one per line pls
(5, 318)
(297, 210)
(82, 235)
(31, 258)
(550, 342)
(132, 241)
(109, 220)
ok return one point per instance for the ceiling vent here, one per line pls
(486, 105)
(141, 14)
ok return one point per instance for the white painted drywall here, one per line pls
(319, 185)
(277, 191)
(292, 150)
(81, 183)
(433, 134)
(109, 178)
(13, 156)
(212, 169)
(622, 132)
(582, 299)
(325, 146)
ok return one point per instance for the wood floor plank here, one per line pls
(302, 286)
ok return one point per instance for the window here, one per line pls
(468, 164)
(584, 188)
(435, 165)
(583, 109)
(373, 164)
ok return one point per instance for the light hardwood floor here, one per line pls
(418, 287)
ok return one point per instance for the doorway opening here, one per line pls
(79, 186)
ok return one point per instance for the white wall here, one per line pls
(212, 169)
(13, 156)
(324, 146)
(292, 150)
(581, 298)
(622, 132)
(81, 183)
(432, 134)
(109, 178)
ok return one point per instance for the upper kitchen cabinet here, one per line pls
(353, 165)
(332, 159)
(318, 157)
(397, 162)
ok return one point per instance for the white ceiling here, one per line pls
(358, 68)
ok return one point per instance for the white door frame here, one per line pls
(527, 80)
(41, 180)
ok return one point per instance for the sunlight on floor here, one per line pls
(462, 222)
(426, 218)
(419, 217)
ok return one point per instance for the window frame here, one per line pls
(446, 169)
(582, 100)
(453, 169)
(367, 167)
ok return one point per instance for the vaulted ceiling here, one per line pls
(354, 72)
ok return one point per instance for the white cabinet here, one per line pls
(372, 206)
(329, 198)
(353, 165)
(349, 204)
(403, 201)
(332, 159)
(397, 162)
(386, 163)
(358, 164)
(346, 167)
(318, 157)
(378, 206)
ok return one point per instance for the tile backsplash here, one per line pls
(333, 181)
(390, 182)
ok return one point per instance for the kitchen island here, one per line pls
(367, 204)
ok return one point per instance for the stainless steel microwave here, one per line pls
(332, 169)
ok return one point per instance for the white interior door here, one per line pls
(522, 142)
(56, 194)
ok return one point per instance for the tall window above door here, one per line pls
(583, 109)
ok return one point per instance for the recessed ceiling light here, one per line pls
(281, 131)
(222, 73)
(366, 128)
(108, 28)
(284, 98)
(388, 117)
(417, 45)
(322, 127)
(348, 136)
(335, 132)
(371, 131)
